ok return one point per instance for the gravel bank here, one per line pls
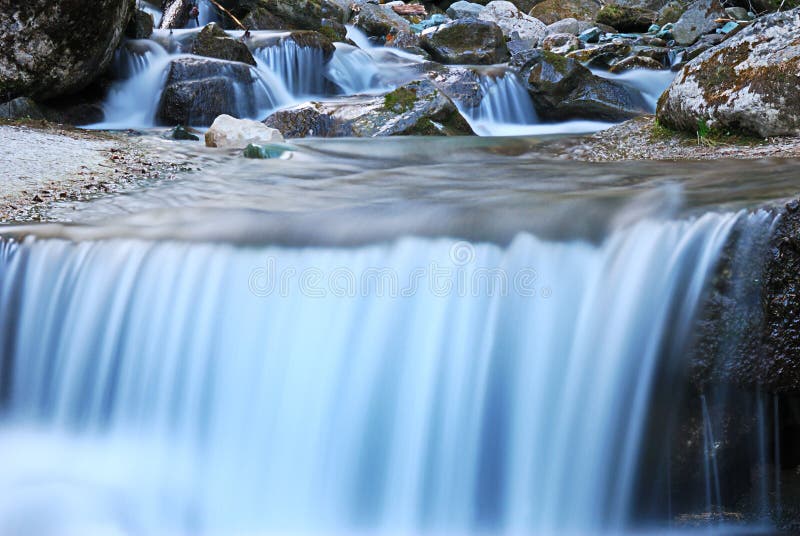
(41, 163)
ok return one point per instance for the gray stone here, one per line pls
(746, 84)
(50, 48)
(514, 23)
(380, 21)
(564, 89)
(20, 108)
(569, 26)
(467, 41)
(561, 44)
(463, 9)
(698, 19)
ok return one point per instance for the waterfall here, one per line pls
(418, 386)
(302, 69)
(505, 101)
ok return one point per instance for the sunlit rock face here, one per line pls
(51, 48)
(748, 84)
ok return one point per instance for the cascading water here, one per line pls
(302, 69)
(419, 386)
(504, 103)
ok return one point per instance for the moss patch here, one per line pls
(400, 100)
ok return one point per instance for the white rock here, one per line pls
(570, 26)
(229, 132)
(514, 23)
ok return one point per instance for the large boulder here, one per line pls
(514, 23)
(467, 41)
(416, 108)
(551, 11)
(50, 48)
(21, 108)
(698, 19)
(213, 42)
(197, 90)
(140, 26)
(325, 16)
(380, 21)
(626, 18)
(748, 84)
(562, 88)
(463, 9)
(228, 132)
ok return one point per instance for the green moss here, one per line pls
(559, 63)
(400, 100)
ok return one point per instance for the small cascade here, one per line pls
(133, 100)
(179, 388)
(505, 102)
(710, 465)
(301, 69)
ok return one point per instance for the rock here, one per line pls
(551, 11)
(470, 41)
(515, 46)
(20, 108)
(227, 132)
(603, 56)
(626, 19)
(436, 20)
(50, 48)
(460, 84)
(410, 42)
(379, 21)
(175, 14)
(737, 13)
(747, 84)
(698, 19)
(416, 108)
(324, 16)
(198, 89)
(265, 152)
(312, 39)
(706, 42)
(513, 22)
(463, 9)
(262, 19)
(671, 12)
(591, 35)
(636, 62)
(562, 88)
(140, 26)
(659, 54)
(561, 44)
(213, 42)
(568, 26)
(180, 132)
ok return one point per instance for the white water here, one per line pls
(170, 388)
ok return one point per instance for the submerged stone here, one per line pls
(265, 152)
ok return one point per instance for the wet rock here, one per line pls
(262, 19)
(410, 42)
(213, 42)
(591, 35)
(463, 9)
(625, 18)
(562, 88)
(175, 14)
(50, 48)
(266, 151)
(229, 132)
(435, 20)
(20, 108)
(379, 21)
(561, 44)
(603, 56)
(516, 46)
(514, 23)
(636, 62)
(314, 40)
(416, 108)
(698, 19)
(197, 90)
(467, 41)
(659, 54)
(550, 11)
(568, 26)
(182, 133)
(140, 26)
(747, 84)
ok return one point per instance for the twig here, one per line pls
(228, 13)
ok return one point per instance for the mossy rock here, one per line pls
(551, 11)
(625, 18)
(213, 42)
(467, 41)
